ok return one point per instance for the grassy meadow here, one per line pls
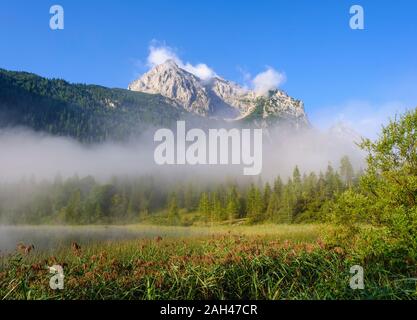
(224, 262)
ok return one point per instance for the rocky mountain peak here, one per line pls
(177, 84)
(218, 97)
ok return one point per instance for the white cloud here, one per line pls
(201, 70)
(261, 83)
(159, 54)
(267, 80)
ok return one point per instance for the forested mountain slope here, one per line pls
(88, 113)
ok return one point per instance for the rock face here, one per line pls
(176, 84)
(219, 98)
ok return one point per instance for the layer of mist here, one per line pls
(26, 154)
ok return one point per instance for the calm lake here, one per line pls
(50, 238)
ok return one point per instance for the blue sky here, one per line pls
(357, 76)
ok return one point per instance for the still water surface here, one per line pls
(50, 238)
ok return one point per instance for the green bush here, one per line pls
(380, 216)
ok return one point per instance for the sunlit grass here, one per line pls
(262, 262)
(293, 232)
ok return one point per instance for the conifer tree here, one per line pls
(217, 211)
(278, 185)
(346, 171)
(232, 208)
(266, 197)
(204, 205)
(255, 205)
(73, 211)
(273, 208)
(173, 211)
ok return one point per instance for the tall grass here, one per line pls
(244, 264)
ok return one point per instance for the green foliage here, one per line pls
(87, 113)
(255, 205)
(386, 197)
(217, 208)
(346, 171)
(83, 201)
(173, 212)
(204, 205)
(233, 209)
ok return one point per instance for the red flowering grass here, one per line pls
(221, 266)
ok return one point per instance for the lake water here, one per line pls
(49, 238)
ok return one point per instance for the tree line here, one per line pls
(298, 198)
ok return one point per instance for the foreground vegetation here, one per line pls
(372, 222)
(240, 264)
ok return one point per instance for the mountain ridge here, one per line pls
(92, 113)
(88, 113)
(217, 97)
